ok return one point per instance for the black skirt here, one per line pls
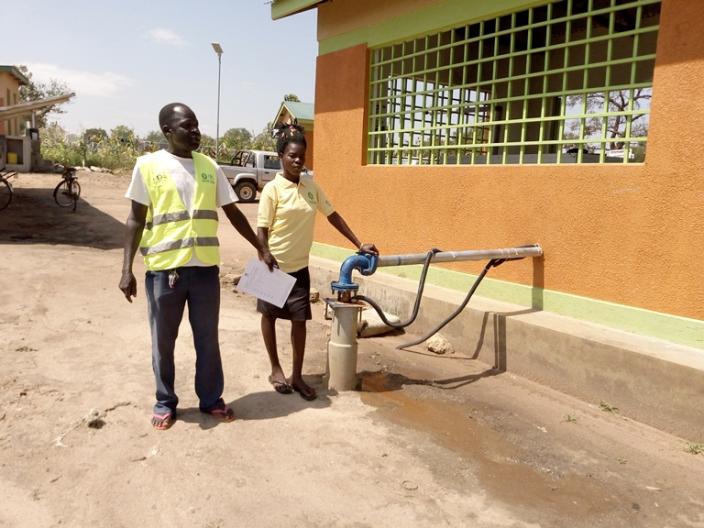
(297, 306)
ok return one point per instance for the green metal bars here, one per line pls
(566, 82)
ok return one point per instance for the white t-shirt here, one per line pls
(183, 174)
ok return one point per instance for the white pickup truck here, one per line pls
(249, 171)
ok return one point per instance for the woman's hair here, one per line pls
(286, 133)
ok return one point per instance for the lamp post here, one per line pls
(218, 49)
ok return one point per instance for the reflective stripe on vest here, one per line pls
(180, 244)
(171, 235)
(181, 215)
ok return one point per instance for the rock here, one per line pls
(439, 345)
(314, 295)
(409, 485)
(372, 325)
(230, 279)
(94, 419)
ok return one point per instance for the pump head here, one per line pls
(365, 263)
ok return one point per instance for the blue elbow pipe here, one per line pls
(365, 263)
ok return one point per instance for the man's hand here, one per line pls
(128, 285)
(267, 258)
(369, 248)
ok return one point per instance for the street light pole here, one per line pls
(218, 49)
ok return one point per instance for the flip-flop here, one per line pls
(280, 386)
(221, 412)
(310, 396)
(162, 422)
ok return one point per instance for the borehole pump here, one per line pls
(341, 372)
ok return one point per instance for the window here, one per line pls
(565, 82)
(272, 162)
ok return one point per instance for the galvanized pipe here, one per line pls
(451, 256)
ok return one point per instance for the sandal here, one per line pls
(307, 394)
(281, 387)
(162, 422)
(221, 412)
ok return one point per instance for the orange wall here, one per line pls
(310, 149)
(9, 82)
(629, 234)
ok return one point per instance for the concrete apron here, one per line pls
(653, 381)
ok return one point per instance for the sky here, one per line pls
(127, 59)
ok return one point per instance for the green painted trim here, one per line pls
(284, 8)
(682, 330)
(445, 14)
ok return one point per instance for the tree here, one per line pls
(39, 90)
(123, 134)
(237, 139)
(292, 97)
(207, 145)
(615, 101)
(93, 136)
(264, 140)
(155, 136)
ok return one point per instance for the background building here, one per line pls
(469, 124)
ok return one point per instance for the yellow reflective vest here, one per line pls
(171, 234)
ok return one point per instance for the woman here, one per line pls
(285, 224)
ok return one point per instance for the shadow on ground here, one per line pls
(34, 218)
(266, 405)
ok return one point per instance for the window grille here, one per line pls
(565, 82)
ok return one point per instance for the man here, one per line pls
(173, 221)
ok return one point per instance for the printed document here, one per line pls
(271, 286)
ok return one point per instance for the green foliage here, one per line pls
(123, 134)
(39, 90)
(94, 136)
(607, 407)
(119, 150)
(237, 139)
(695, 448)
(264, 140)
(292, 97)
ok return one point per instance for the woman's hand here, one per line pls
(369, 248)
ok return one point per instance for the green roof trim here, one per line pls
(304, 111)
(284, 8)
(15, 72)
(434, 18)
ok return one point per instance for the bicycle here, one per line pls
(6, 190)
(67, 192)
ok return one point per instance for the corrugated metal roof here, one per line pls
(6, 112)
(300, 110)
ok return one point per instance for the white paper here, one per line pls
(271, 286)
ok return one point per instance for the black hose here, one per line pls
(419, 295)
(492, 263)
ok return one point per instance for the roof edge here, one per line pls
(283, 8)
(15, 71)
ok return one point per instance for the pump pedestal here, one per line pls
(341, 372)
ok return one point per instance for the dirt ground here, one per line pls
(428, 441)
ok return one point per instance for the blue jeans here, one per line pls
(200, 288)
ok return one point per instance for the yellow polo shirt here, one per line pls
(288, 210)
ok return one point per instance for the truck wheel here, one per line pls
(246, 191)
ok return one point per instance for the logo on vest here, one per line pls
(159, 179)
(207, 178)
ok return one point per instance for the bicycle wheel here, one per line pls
(75, 190)
(6, 193)
(62, 194)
